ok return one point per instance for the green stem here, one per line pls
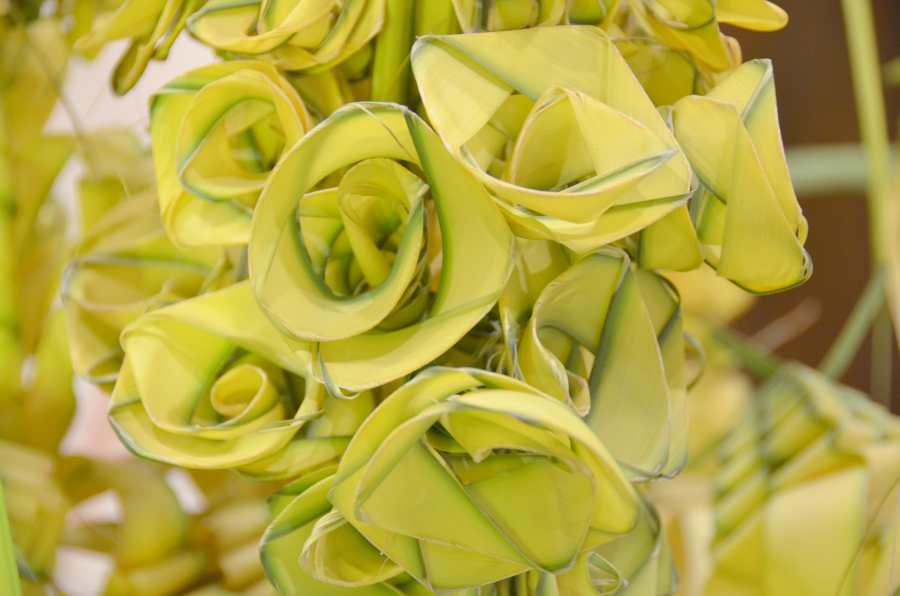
(9, 574)
(753, 357)
(845, 347)
(866, 69)
(390, 68)
(435, 17)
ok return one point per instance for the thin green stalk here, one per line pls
(754, 358)
(827, 169)
(845, 347)
(9, 574)
(893, 264)
(862, 43)
(882, 357)
(891, 72)
(865, 65)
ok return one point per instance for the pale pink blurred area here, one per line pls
(90, 434)
(81, 572)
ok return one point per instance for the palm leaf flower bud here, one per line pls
(351, 281)
(151, 25)
(294, 34)
(667, 72)
(694, 25)
(493, 460)
(647, 24)
(606, 338)
(747, 215)
(498, 100)
(209, 383)
(217, 133)
(814, 462)
(125, 265)
(311, 548)
(806, 478)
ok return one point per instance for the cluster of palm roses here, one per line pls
(407, 260)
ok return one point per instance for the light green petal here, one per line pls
(152, 25)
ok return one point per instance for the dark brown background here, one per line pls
(816, 105)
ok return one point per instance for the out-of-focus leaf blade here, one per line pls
(9, 572)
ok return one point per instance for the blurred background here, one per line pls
(816, 105)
